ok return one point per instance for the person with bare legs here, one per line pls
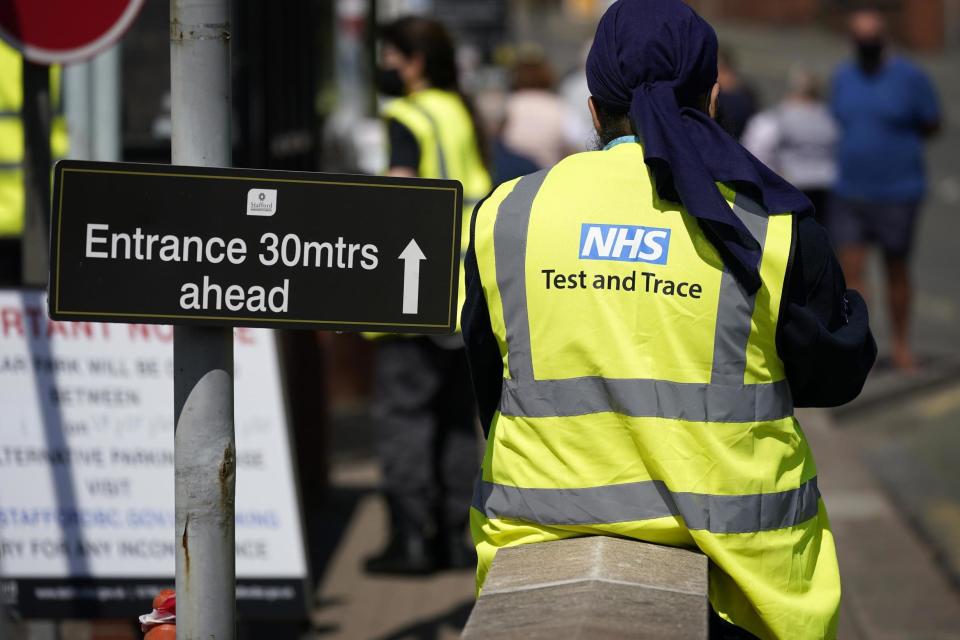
(886, 107)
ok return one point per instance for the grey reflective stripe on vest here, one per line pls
(646, 399)
(647, 500)
(725, 399)
(735, 311)
(510, 251)
(441, 160)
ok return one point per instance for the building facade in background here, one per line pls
(929, 25)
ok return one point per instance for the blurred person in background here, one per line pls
(886, 107)
(422, 402)
(798, 138)
(575, 92)
(536, 115)
(640, 328)
(12, 192)
(738, 101)
(505, 163)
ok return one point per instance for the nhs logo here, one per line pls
(625, 243)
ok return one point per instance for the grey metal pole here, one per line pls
(105, 105)
(204, 454)
(76, 106)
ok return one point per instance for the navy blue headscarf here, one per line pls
(656, 59)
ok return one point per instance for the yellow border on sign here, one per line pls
(284, 320)
(453, 273)
(291, 180)
(59, 220)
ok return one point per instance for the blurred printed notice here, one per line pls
(86, 468)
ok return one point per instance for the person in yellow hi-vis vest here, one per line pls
(641, 321)
(12, 197)
(423, 405)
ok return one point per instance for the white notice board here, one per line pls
(86, 468)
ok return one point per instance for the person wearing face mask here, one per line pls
(422, 401)
(886, 107)
(641, 321)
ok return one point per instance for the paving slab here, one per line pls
(593, 587)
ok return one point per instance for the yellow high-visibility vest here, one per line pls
(444, 131)
(12, 199)
(643, 395)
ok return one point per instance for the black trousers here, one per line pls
(720, 629)
(11, 273)
(427, 441)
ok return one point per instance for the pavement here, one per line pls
(910, 447)
(354, 605)
(894, 585)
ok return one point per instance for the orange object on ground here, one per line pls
(160, 624)
(163, 632)
(166, 599)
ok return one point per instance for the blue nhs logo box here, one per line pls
(625, 243)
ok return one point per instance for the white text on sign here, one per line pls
(289, 251)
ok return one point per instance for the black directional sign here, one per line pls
(242, 247)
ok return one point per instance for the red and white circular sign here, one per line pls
(65, 31)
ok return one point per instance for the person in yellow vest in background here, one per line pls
(423, 404)
(641, 321)
(12, 194)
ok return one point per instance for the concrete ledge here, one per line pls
(594, 587)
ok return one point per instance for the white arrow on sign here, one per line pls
(411, 257)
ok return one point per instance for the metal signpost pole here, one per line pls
(205, 459)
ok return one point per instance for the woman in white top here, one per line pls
(797, 139)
